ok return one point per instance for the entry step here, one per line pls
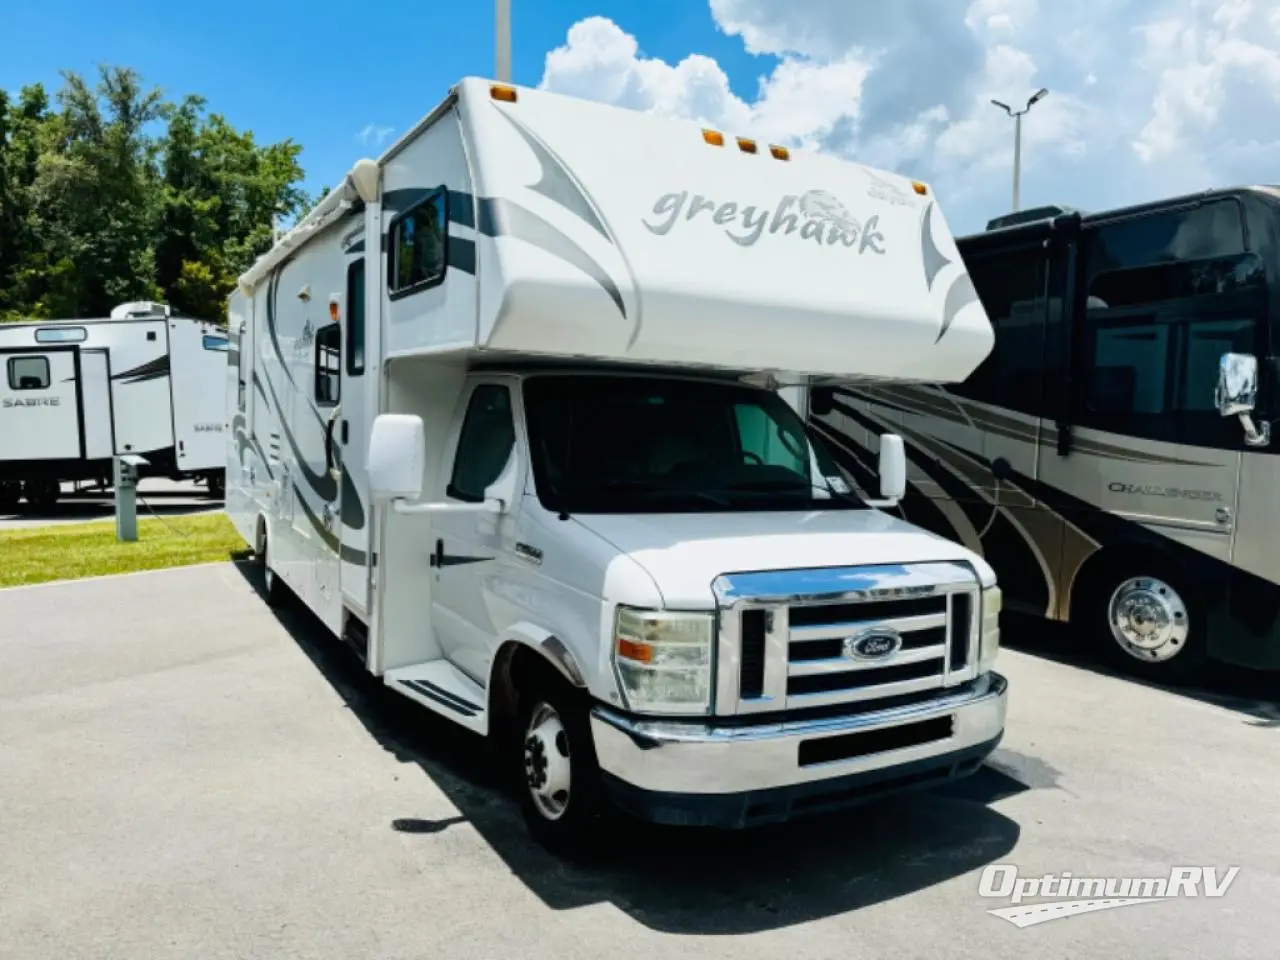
(444, 688)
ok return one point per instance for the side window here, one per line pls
(328, 365)
(355, 318)
(1212, 231)
(62, 335)
(419, 240)
(761, 440)
(28, 373)
(485, 443)
(214, 342)
(1012, 290)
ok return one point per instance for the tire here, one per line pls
(217, 485)
(1149, 619)
(41, 494)
(274, 589)
(561, 794)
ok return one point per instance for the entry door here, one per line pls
(95, 396)
(351, 438)
(39, 405)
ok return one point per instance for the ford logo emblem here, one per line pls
(875, 644)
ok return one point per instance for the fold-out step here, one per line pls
(441, 686)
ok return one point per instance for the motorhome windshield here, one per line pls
(663, 445)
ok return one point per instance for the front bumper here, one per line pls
(696, 773)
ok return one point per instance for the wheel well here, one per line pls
(513, 668)
(1108, 562)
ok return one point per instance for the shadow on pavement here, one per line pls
(1253, 694)
(670, 879)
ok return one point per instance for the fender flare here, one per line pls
(544, 643)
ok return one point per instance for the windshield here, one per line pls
(623, 444)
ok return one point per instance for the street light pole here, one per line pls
(502, 41)
(1017, 140)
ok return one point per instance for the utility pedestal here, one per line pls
(124, 470)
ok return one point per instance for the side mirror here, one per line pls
(1237, 395)
(397, 455)
(1237, 390)
(893, 467)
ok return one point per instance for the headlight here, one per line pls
(663, 660)
(992, 601)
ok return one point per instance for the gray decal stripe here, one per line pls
(352, 508)
(325, 487)
(959, 296)
(930, 255)
(557, 183)
(157, 367)
(502, 217)
(461, 255)
(347, 554)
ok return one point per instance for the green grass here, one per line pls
(73, 550)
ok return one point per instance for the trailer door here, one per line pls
(40, 404)
(95, 398)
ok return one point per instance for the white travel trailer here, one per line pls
(75, 393)
(505, 421)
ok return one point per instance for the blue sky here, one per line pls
(321, 72)
(1149, 98)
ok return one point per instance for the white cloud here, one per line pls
(374, 135)
(1148, 97)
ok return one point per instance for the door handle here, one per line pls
(344, 433)
(437, 557)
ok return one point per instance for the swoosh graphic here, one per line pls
(1032, 914)
(322, 483)
(933, 258)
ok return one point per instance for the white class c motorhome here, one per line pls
(75, 393)
(504, 418)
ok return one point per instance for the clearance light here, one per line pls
(500, 91)
(919, 188)
(713, 137)
(333, 310)
(780, 153)
(746, 146)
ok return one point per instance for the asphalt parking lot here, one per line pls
(156, 497)
(184, 773)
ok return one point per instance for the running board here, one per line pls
(443, 688)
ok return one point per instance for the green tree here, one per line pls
(118, 194)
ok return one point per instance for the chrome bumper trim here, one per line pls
(701, 759)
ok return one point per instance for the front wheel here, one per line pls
(1151, 623)
(560, 790)
(275, 589)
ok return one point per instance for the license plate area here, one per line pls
(848, 746)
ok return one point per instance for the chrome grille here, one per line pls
(788, 638)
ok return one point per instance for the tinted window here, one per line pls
(484, 446)
(418, 243)
(355, 319)
(1212, 231)
(1012, 290)
(62, 335)
(328, 365)
(28, 373)
(213, 342)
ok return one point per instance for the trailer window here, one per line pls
(28, 373)
(355, 319)
(328, 365)
(62, 335)
(484, 446)
(419, 241)
(212, 342)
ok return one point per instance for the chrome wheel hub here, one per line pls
(1148, 619)
(546, 762)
